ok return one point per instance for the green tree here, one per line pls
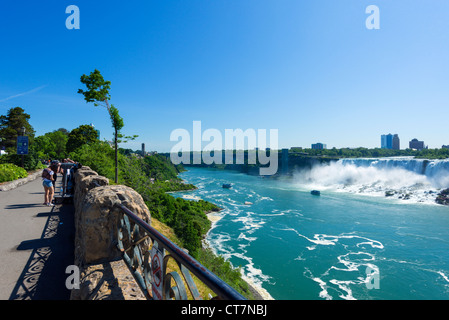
(63, 130)
(51, 145)
(99, 156)
(43, 145)
(98, 93)
(11, 126)
(84, 134)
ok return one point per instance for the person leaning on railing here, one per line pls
(56, 167)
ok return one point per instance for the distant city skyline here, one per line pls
(313, 71)
(390, 141)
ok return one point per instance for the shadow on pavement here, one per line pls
(23, 206)
(44, 275)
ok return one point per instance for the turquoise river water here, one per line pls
(340, 245)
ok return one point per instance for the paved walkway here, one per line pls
(36, 245)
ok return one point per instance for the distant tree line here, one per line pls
(361, 152)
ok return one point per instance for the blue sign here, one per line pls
(22, 145)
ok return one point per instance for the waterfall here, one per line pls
(436, 171)
(407, 163)
(398, 177)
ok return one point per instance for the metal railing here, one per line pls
(65, 185)
(149, 267)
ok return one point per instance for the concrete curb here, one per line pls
(17, 183)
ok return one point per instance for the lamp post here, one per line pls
(23, 156)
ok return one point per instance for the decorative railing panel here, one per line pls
(147, 253)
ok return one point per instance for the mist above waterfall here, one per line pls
(399, 177)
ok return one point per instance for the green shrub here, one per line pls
(30, 161)
(224, 270)
(10, 172)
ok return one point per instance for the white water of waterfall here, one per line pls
(402, 178)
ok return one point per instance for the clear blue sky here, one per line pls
(309, 68)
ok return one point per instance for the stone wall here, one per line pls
(104, 276)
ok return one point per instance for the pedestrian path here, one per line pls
(36, 245)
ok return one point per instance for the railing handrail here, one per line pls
(221, 288)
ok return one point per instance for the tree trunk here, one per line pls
(116, 157)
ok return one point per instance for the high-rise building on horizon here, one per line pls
(416, 144)
(396, 142)
(390, 141)
(383, 141)
(319, 146)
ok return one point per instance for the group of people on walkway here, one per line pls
(49, 176)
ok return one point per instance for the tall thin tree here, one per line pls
(98, 93)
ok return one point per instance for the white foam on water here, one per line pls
(243, 236)
(319, 239)
(324, 239)
(445, 277)
(217, 243)
(257, 286)
(356, 264)
(274, 213)
(300, 258)
(277, 212)
(349, 265)
(324, 293)
(251, 274)
(344, 285)
(250, 222)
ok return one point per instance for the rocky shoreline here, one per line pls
(443, 197)
(257, 293)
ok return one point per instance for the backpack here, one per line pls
(46, 174)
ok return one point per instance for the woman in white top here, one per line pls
(47, 176)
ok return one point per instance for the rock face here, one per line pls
(97, 222)
(96, 218)
(443, 197)
(85, 179)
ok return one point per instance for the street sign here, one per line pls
(22, 145)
